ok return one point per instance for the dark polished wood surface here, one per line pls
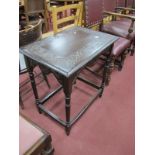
(66, 54)
(68, 51)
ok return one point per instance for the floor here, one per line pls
(107, 128)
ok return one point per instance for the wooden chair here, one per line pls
(61, 14)
(93, 19)
(64, 2)
(30, 34)
(117, 23)
(35, 10)
(60, 24)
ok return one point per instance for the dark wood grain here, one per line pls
(66, 54)
(70, 50)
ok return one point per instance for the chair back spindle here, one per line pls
(73, 19)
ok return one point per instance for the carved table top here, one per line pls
(70, 50)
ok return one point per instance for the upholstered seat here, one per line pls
(32, 139)
(119, 24)
(119, 28)
(119, 46)
(28, 135)
(95, 20)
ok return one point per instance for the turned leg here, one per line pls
(104, 77)
(109, 68)
(123, 56)
(133, 48)
(32, 79)
(67, 87)
(67, 107)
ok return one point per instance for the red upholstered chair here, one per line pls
(93, 18)
(117, 19)
(33, 140)
(118, 24)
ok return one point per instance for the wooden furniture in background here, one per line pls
(69, 21)
(65, 2)
(65, 21)
(62, 13)
(34, 10)
(118, 24)
(30, 34)
(94, 19)
(33, 140)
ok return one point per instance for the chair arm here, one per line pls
(120, 15)
(132, 18)
(125, 8)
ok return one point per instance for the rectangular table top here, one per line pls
(70, 50)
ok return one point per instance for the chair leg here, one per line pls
(45, 77)
(132, 48)
(111, 67)
(121, 62)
